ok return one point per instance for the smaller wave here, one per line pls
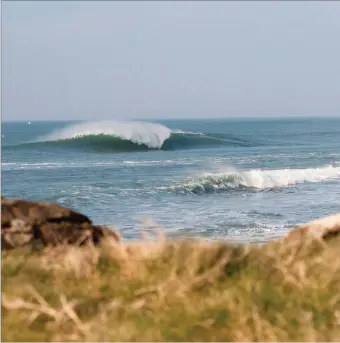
(255, 179)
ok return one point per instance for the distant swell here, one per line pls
(115, 136)
(255, 179)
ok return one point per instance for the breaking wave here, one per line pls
(255, 179)
(116, 136)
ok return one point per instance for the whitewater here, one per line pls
(256, 179)
(244, 180)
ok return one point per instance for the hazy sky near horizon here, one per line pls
(122, 60)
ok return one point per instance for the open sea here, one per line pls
(244, 180)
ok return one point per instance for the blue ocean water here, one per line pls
(244, 180)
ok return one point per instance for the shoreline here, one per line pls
(170, 290)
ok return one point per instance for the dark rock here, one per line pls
(38, 212)
(25, 222)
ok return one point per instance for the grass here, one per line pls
(173, 291)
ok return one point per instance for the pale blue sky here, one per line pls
(120, 60)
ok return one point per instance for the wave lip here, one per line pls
(256, 179)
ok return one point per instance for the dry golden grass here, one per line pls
(173, 291)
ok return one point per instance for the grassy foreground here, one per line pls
(173, 291)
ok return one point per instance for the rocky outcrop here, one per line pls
(26, 223)
(324, 228)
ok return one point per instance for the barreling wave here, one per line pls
(255, 179)
(115, 136)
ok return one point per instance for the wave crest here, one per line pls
(256, 179)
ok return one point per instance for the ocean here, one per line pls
(246, 180)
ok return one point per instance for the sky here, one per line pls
(133, 60)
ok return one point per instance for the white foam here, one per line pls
(150, 134)
(86, 164)
(259, 179)
(40, 165)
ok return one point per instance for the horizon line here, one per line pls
(168, 119)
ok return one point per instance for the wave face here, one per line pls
(256, 179)
(116, 136)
